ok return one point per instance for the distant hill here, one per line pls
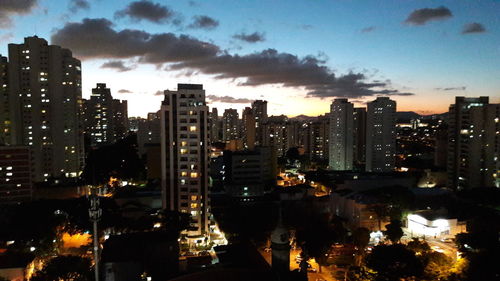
(403, 116)
(406, 116)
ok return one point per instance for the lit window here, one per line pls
(184, 174)
(184, 151)
(192, 128)
(194, 174)
(194, 205)
(194, 197)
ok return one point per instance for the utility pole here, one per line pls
(95, 213)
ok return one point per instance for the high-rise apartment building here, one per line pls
(44, 106)
(359, 136)
(185, 155)
(215, 126)
(473, 143)
(148, 132)
(248, 128)
(259, 108)
(275, 134)
(341, 135)
(106, 119)
(230, 125)
(381, 135)
(318, 134)
(4, 102)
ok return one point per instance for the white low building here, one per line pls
(434, 224)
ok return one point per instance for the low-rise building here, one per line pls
(437, 224)
(16, 174)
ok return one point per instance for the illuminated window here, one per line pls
(184, 151)
(194, 174)
(192, 128)
(194, 197)
(183, 143)
(194, 205)
(184, 174)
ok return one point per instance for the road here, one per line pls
(447, 248)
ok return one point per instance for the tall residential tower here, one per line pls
(381, 135)
(473, 143)
(185, 157)
(341, 135)
(44, 107)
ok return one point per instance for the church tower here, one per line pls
(280, 245)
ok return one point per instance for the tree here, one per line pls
(437, 265)
(393, 262)
(65, 268)
(419, 247)
(393, 231)
(360, 239)
(119, 160)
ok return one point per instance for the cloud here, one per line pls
(124, 91)
(368, 29)
(147, 10)
(422, 16)
(204, 22)
(118, 65)
(272, 67)
(159, 48)
(306, 26)
(228, 99)
(250, 38)
(9, 8)
(185, 53)
(473, 27)
(76, 5)
(463, 88)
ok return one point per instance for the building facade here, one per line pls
(185, 155)
(341, 135)
(44, 107)
(230, 125)
(473, 143)
(248, 128)
(381, 135)
(106, 119)
(359, 136)
(16, 175)
(259, 108)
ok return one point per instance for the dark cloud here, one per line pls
(273, 67)
(193, 3)
(76, 5)
(159, 48)
(147, 10)
(422, 16)
(9, 8)
(473, 27)
(118, 65)
(228, 99)
(250, 38)
(463, 88)
(204, 22)
(185, 53)
(124, 91)
(368, 29)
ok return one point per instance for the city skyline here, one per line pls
(420, 48)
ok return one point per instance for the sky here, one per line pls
(297, 54)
